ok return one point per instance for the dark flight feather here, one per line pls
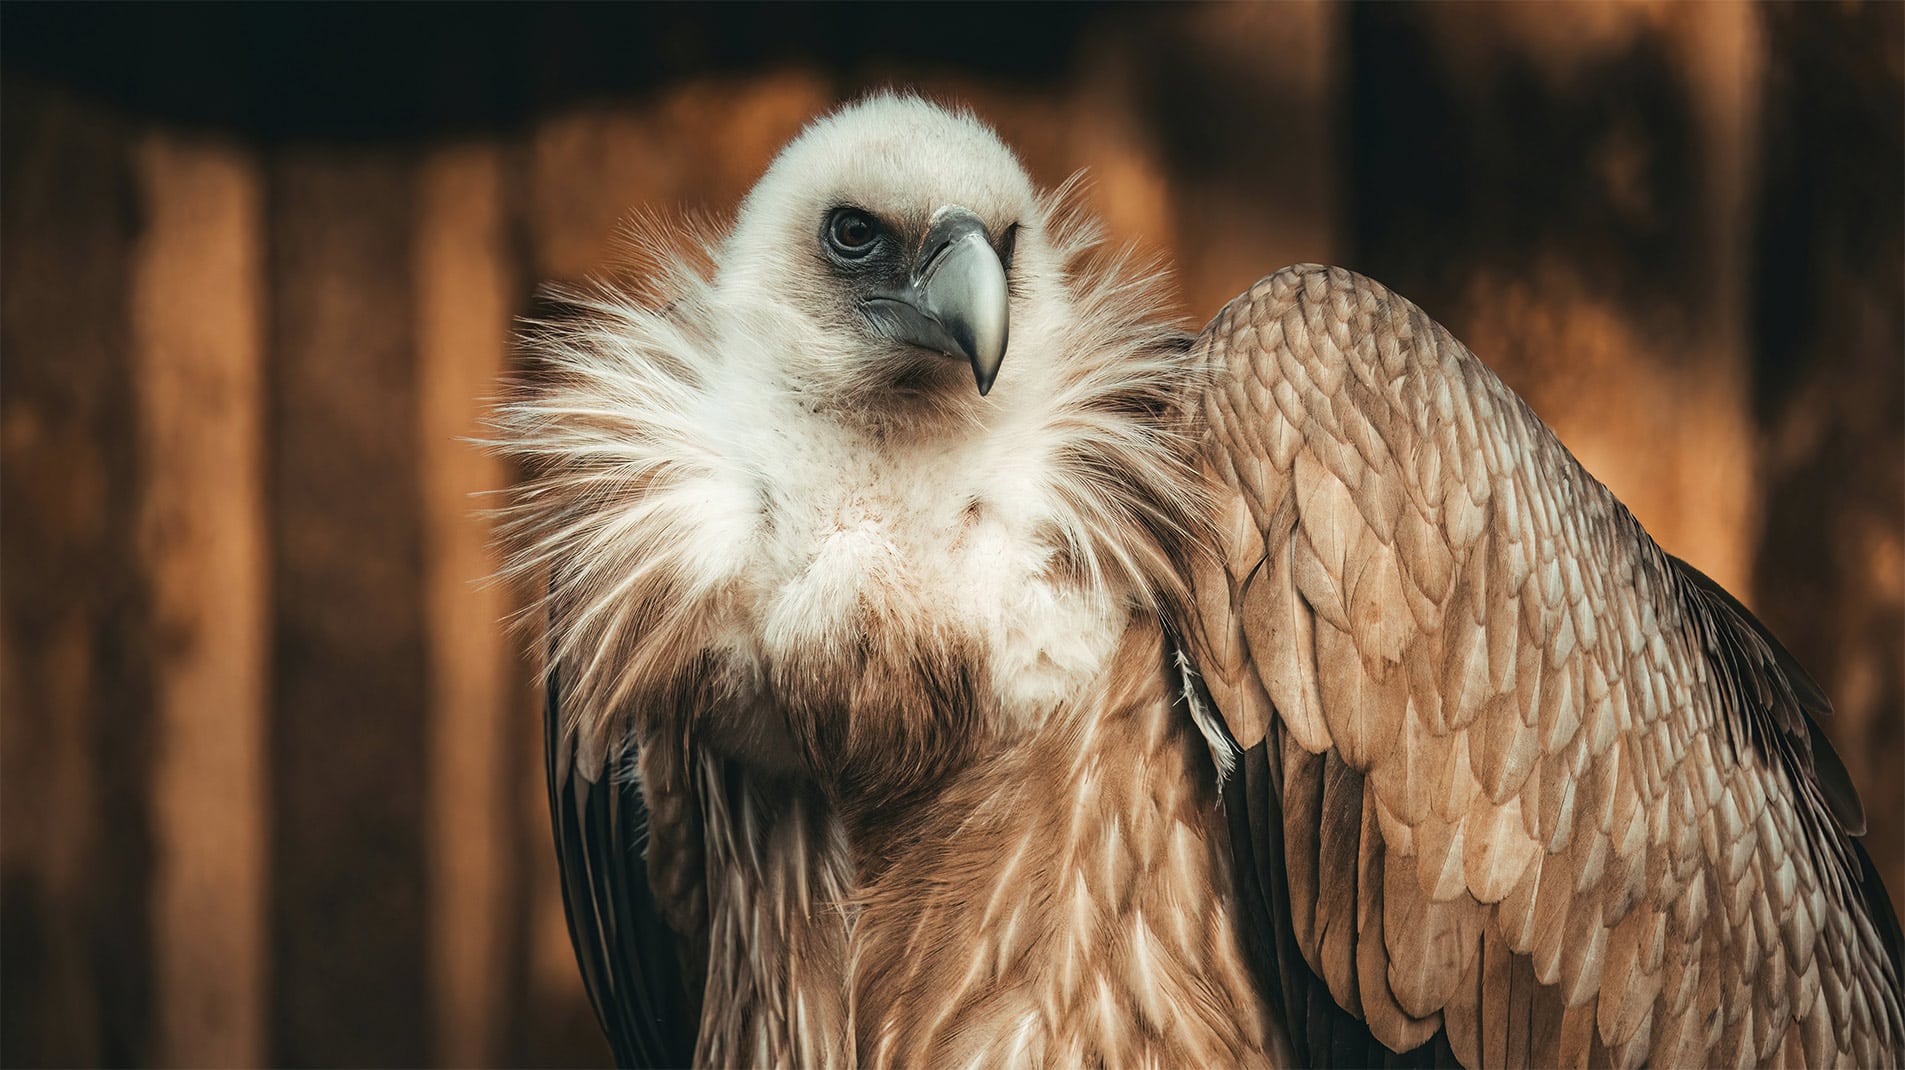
(625, 949)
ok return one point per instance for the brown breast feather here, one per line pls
(1070, 903)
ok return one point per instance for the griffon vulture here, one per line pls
(1285, 694)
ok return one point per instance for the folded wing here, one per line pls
(1518, 787)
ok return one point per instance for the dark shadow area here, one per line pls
(1828, 353)
(380, 72)
(70, 484)
(1482, 156)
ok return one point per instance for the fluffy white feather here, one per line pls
(722, 480)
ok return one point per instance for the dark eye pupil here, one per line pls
(851, 230)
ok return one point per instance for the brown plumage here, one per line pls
(1286, 697)
(1547, 794)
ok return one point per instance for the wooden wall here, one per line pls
(269, 765)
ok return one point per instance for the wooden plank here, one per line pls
(198, 361)
(465, 296)
(75, 725)
(349, 743)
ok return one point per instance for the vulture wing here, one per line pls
(1516, 787)
(625, 948)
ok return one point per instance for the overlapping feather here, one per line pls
(1572, 804)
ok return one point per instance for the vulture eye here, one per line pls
(852, 233)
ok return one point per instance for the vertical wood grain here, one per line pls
(75, 724)
(465, 293)
(198, 366)
(350, 930)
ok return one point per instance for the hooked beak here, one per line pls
(955, 301)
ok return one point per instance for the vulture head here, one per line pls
(903, 398)
(896, 235)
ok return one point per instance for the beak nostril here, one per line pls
(930, 262)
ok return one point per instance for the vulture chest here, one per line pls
(949, 587)
(1063, 899)
(1060, 890)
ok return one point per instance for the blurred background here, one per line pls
(269, 765)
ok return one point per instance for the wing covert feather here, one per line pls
(1543, 790)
